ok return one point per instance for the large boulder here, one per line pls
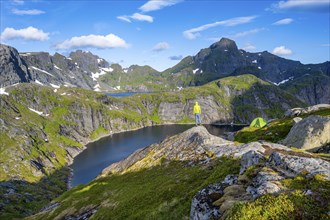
(249, 159)
(202, 207)
(291, 165)
(310, 133)
(267, 181)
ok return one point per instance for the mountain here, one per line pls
(42, 68)
(223, 58)
(134, 78)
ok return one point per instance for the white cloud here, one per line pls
(245, 33)
(281, 50)
(27, 12)
(283, 21)
(95, 41)
(161, 46)
(124, 18)
(29, 33)
(194, 32)
(136, 16)
(249, 47)
(141, 17)
(311, 5)
(153, 5)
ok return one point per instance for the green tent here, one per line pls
(258, 123)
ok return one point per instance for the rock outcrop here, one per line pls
(266, 177)
(310, 133)
(307, 110)
(12, 68)
(195, 144)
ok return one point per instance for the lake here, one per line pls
(100, 154)
(125, 94)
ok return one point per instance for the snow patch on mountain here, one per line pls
(38, 82)
(283, 81)
(3, 91)
(43, 71)
(56, 67)
(54, 86)
(35, 111)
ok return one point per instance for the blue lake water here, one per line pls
(102, 153)
(124, 94)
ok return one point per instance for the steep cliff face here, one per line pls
(12, 68)
(230, 100)
(39, 125)
(310, 88)
(58, 70)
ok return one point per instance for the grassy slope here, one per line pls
(160, 192)
(296, 203)
(275, 131)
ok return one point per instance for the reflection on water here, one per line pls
(102, 153)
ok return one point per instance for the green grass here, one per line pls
(100, 131)
(295, 203)
(275, 131)
(29, 198)
(160, 192)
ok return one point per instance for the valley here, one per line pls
(52, 106)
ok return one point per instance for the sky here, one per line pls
(159, 33)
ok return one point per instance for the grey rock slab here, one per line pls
(291, 166)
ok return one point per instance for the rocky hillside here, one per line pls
(53, 71)
(134, 78)
(310, 88)
(43, 128)
(79, 69)
(199, 176)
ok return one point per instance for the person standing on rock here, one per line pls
(197, 113)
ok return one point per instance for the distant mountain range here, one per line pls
(310, 83)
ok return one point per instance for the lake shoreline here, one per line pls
(70, 177)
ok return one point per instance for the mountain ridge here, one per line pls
(221, 59)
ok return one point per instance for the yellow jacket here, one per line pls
(197, 109)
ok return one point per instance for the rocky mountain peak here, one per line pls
(225, 43)
(12, 68)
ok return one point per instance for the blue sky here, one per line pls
(160, 33)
